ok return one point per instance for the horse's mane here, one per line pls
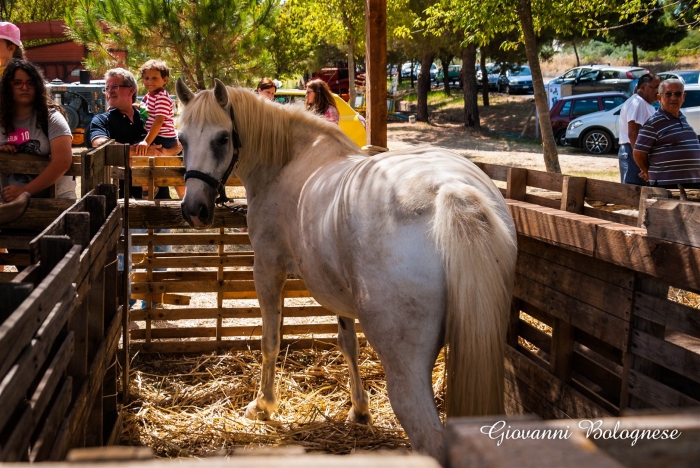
(263, 126)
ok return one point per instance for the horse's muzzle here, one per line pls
(198, 207)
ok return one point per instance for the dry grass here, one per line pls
(193, 406)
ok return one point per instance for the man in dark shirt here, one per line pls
(122, 122)
(667, 149)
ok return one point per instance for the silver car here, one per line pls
(598, 133)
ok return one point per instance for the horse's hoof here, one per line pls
(359, 418)
(252, 412)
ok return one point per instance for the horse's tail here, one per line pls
(478, 252)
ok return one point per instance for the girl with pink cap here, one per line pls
(10, 44)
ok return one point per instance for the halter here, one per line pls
(219, 185)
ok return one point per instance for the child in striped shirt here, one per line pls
(158, 107)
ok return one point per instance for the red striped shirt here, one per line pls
(160, 104)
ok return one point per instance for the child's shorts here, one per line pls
(165, 141)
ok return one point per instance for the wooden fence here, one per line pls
(608, 337)
(60, 324)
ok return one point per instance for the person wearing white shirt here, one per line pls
(635, 111)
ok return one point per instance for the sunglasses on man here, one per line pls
(668, 94)
(107, 89)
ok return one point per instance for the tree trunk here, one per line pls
(446, 59)
(424, 86)
(351, 71)
(578, 60)
(551, 157)
(635, 56)
(484, 79)
(471, 109)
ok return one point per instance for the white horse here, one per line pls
(418, 245)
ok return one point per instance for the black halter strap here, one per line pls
(220, 185)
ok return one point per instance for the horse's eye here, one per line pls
(223, 141)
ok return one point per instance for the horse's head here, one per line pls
(210, 147)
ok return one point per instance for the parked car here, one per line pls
(406, 69)
(493, 71)
(568, 108)
(596, 78)
(598, 133)
(351, 123)
(688, 76)
(454, 75)
(517, 79)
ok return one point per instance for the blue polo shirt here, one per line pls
(672, 147)
(115, 125)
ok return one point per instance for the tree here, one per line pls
(16, 11)
(224, 39)
(656, 31)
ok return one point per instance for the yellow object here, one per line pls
(351, 123)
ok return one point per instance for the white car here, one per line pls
(598, 133)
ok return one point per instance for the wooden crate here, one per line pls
(58, 343)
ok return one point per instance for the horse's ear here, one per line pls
(184, 94)
(220, 93)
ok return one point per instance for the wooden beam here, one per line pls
(376, 72)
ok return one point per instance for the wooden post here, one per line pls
(376, 72)
(562, 349)
(516, 183)
(11, 296)
(126, 274)
(573, 192)
(646, 194)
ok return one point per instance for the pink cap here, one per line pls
(10, 32)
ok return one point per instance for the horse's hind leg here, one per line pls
(347, 340)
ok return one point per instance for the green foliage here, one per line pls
(202, 39)
(23, 11)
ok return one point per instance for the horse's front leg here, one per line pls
(347, 341)
(269, 290)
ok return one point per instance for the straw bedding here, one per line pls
(193, 406)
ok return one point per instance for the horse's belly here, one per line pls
(333, 296)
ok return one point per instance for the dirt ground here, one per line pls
(480, 146)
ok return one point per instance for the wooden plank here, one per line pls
(14, 385)
(532, 402)
(562, 349)
(241, 330)
(174, 276)
(517, 183)
(210, 346)
(156, 214)
(70, 429)
(572, 194)
(15, 447)
(671, 314)
(19, 259)
(190, 238)
(675, 221)
(29, 164)
(10, 240)
(41, 448)
(613, 274)
(494, 171)
(613, 192)
(470, 445)
(645, 198)
(40, 213)
(553, 389)
(6, 277)
(610, 216)
(11, 296)
(608, 381)
(537, 313)
(17, 330)
(546, 180)
(596, 322)
(669, 355)
(207, 286)
(657, 394)
(675, 263)
(594, 344)
(543, 201)
(211, 313)
(602, 295)
(141, 260)
(557, 227)
(54, 374)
